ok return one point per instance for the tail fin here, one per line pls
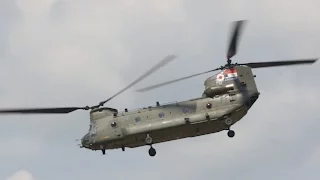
(246, 79)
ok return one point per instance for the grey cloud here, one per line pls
(59, 11)
(9, 14)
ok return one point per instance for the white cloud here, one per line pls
(21, 175)
(75, 49)
(34, 8)
(312, 163)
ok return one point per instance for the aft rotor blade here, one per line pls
(280, 63)
(162, 63)
(173, 81)
(63, 110)
(234, 38)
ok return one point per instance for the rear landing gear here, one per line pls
(231, 133)
(228, 121)
(152, 151)
(149, 141)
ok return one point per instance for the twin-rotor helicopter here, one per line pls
(226, 99)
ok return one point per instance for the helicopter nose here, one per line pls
(85, 141)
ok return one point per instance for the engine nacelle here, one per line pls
(239, 78)
(218, 90)
(102, 112)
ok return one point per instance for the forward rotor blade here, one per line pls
(63, 110)
(234, 39)
(162, 63)
(280, 63)
(173, 81)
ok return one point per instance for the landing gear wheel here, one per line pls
(152, 151)
(148, 139)
(231, 133)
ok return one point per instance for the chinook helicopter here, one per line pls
(226, 99)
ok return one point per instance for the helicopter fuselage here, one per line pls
(222, 105)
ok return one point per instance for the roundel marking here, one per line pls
(220, 77)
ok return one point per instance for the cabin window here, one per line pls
(161, 115)
(137, 119)
(113, 124)
(185, 110)
(209, 105)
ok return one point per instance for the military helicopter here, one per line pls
(226, 99)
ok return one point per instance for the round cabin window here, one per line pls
(209, 105)
(137, 119)
(161, 115)
(113, 124)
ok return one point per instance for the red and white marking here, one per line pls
(230, 72)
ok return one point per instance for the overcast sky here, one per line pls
(79, 52)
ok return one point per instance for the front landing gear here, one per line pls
(152, 151)
(231, 133)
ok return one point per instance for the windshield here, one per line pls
(85, 140)
(90, 136)
(93, 128)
